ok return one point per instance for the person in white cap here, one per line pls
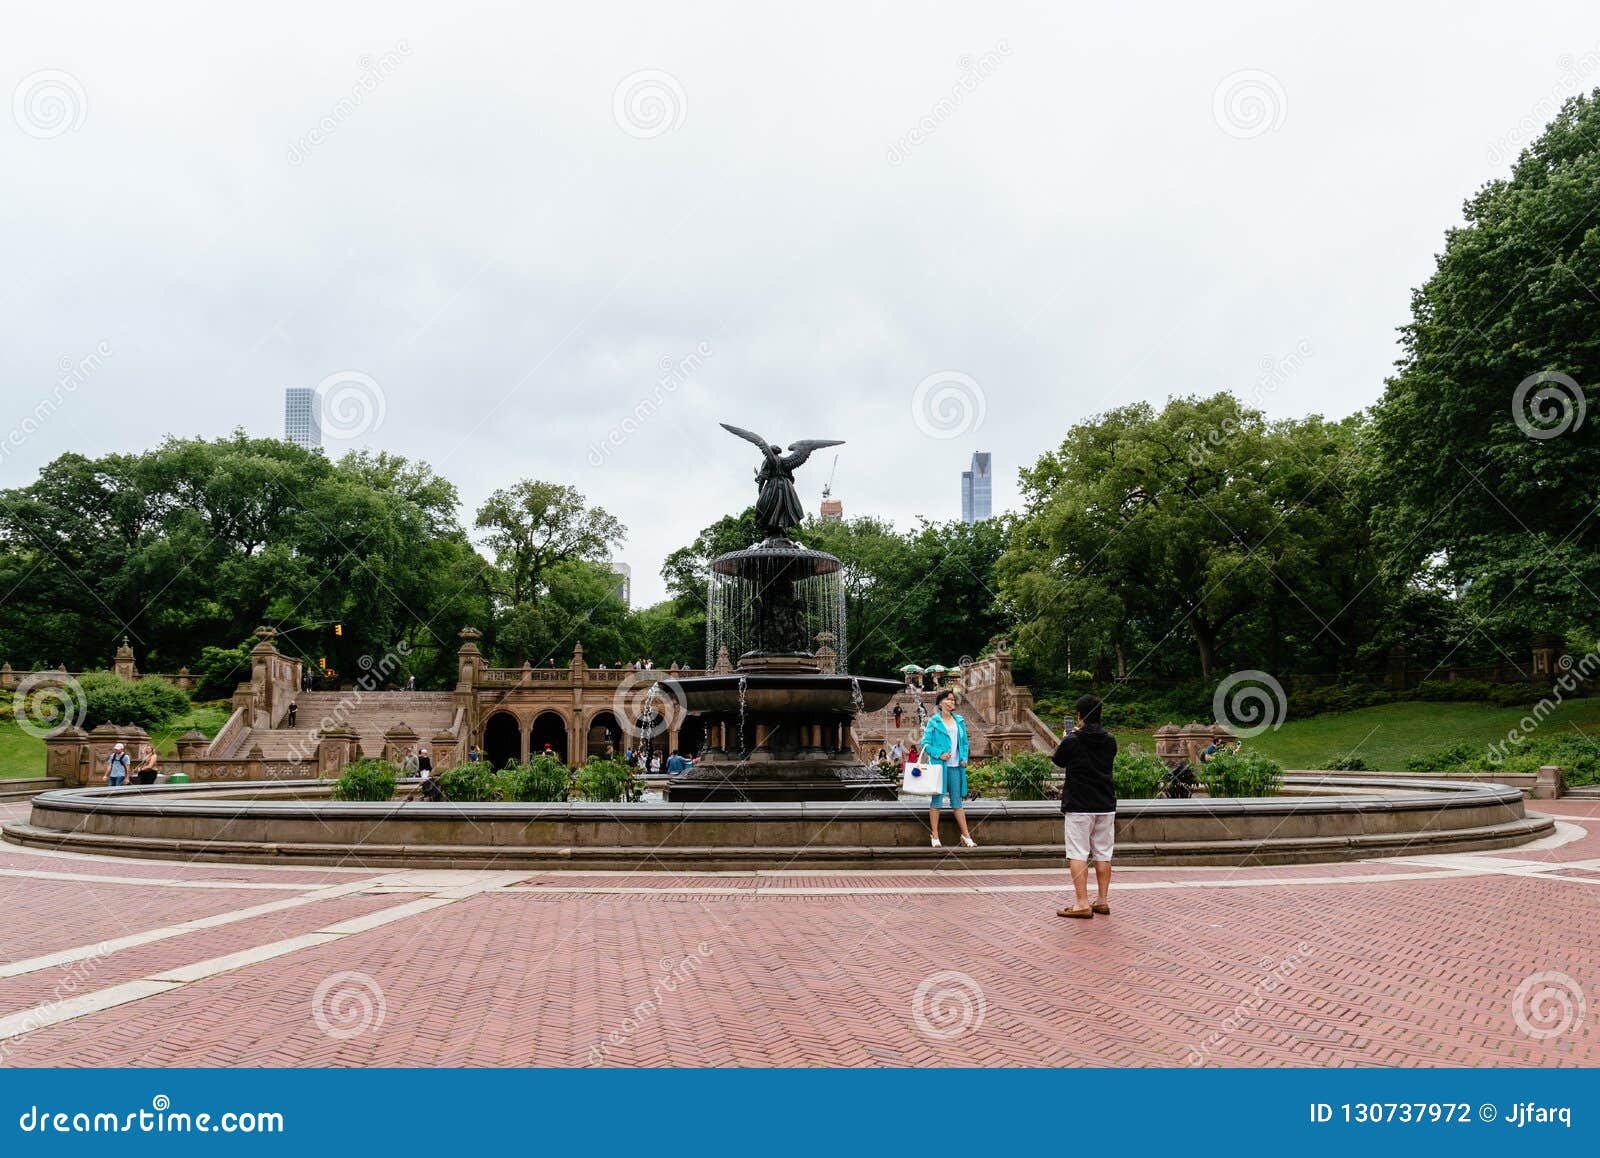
(117, 766)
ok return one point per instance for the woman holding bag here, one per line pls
(944, 741)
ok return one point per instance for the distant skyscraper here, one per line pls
(302, 418)
(977, 490)
(623, 574)
(832, 510)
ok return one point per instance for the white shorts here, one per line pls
(1090, 832)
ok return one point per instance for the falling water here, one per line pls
(743, 683)
(857, 701)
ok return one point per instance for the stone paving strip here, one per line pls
(455, 886)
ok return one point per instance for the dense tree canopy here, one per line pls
(1487, 478)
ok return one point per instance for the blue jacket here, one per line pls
(936, 741)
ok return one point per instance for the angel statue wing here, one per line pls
(802, 449)
(752, 437)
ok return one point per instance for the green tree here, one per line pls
(1486, 482)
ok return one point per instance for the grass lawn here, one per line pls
(22, 755)
(1386, 735)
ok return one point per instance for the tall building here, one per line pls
(833, 510)
(302, 417)
(623, 574)
(977, 490)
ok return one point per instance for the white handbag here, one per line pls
(922, 779)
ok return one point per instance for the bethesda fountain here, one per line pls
(777, 708)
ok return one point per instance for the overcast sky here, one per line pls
(927, 230)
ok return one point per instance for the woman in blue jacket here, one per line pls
(944, 741)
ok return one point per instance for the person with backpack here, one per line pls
(117, 766)
(1088, 806)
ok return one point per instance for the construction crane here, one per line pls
(832, 508)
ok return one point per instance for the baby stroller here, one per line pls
(1179, 783)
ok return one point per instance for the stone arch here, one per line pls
(604, 728)
(549, 727)
(502, 739)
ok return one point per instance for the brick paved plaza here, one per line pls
(1467, 959)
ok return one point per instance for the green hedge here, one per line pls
(468, 784)
(148, 703)
(366, 780)
(1138, 775)
(1578, 755)
(1025, 776)
(1244, 773)
(609, 782)
(541, 780)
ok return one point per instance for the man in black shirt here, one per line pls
(1089, 805)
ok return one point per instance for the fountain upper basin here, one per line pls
(797, 693)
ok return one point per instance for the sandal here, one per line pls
(1085, 914)
(936, 843)
(969, 842)
(1102, 908)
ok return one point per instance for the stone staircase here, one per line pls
(874, 730)
(369, 715)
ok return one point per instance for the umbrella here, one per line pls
(937, 667)
(909, 667)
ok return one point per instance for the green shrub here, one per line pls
(1577, 755)
(1026, 776)
(1241, 774)
(1346, 763)
(604, 781)
(220, 670)
(366, 780)
(1138, 775)
(541, 780)
(468, 784)
(147, 703)
(983, 780)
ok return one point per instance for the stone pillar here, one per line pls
(8, 678)
(396, 740)
(67, 756)
(577, 737)
(337, 745)
(1549, 783)
(123, 666)
(185, 681)
(101, 742)
(265, 675)
(445, 750)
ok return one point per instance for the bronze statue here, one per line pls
(778, 507)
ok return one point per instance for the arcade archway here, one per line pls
(502, 740)
(549, 728)
(604, 729)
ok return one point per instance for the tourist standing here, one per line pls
(473, 755)
(424, 764)
(411, 683)
(897, 754)
(1087, 754)
(146, 772)
(117, 766)
(944, 741)
(294, 711)
(897, 713)
(676, 764)
(410, 764)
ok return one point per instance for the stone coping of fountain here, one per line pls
(290, 822)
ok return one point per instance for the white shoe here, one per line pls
(969, 842)
(936, 843)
